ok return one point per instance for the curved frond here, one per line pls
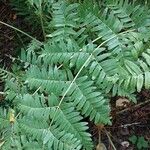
(65, 116)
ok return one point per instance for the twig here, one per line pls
(31, 37)
(110, 140)
(127, 125)
(2, 93)
(133, 107)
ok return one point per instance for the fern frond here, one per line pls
(64, 20)
(65, 117)
(85, 98)
(129, 14)
(4, 119)
(54, 138)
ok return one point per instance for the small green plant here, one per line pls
(89, 54)
(139, 141)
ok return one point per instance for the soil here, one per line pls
(133, 119)
(7, 35)
(126, 121)
(6, 39)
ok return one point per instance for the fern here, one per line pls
(89, 54)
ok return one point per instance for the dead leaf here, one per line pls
(101, 146)
(14, 17)
(12, 116)
(125, 144)
(122, 102)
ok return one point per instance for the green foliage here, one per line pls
(35, 13)
(89, 55)
(140, 142)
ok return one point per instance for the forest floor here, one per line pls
(127, 119)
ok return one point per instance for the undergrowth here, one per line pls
(90, 53)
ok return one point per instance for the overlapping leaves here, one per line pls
(88, 54)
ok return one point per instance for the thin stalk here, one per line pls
(16, 29)
(110, 140)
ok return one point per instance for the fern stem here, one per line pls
(16, 29)
(99, 136)
(74, 79)
(17, 115)
(37, 90)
